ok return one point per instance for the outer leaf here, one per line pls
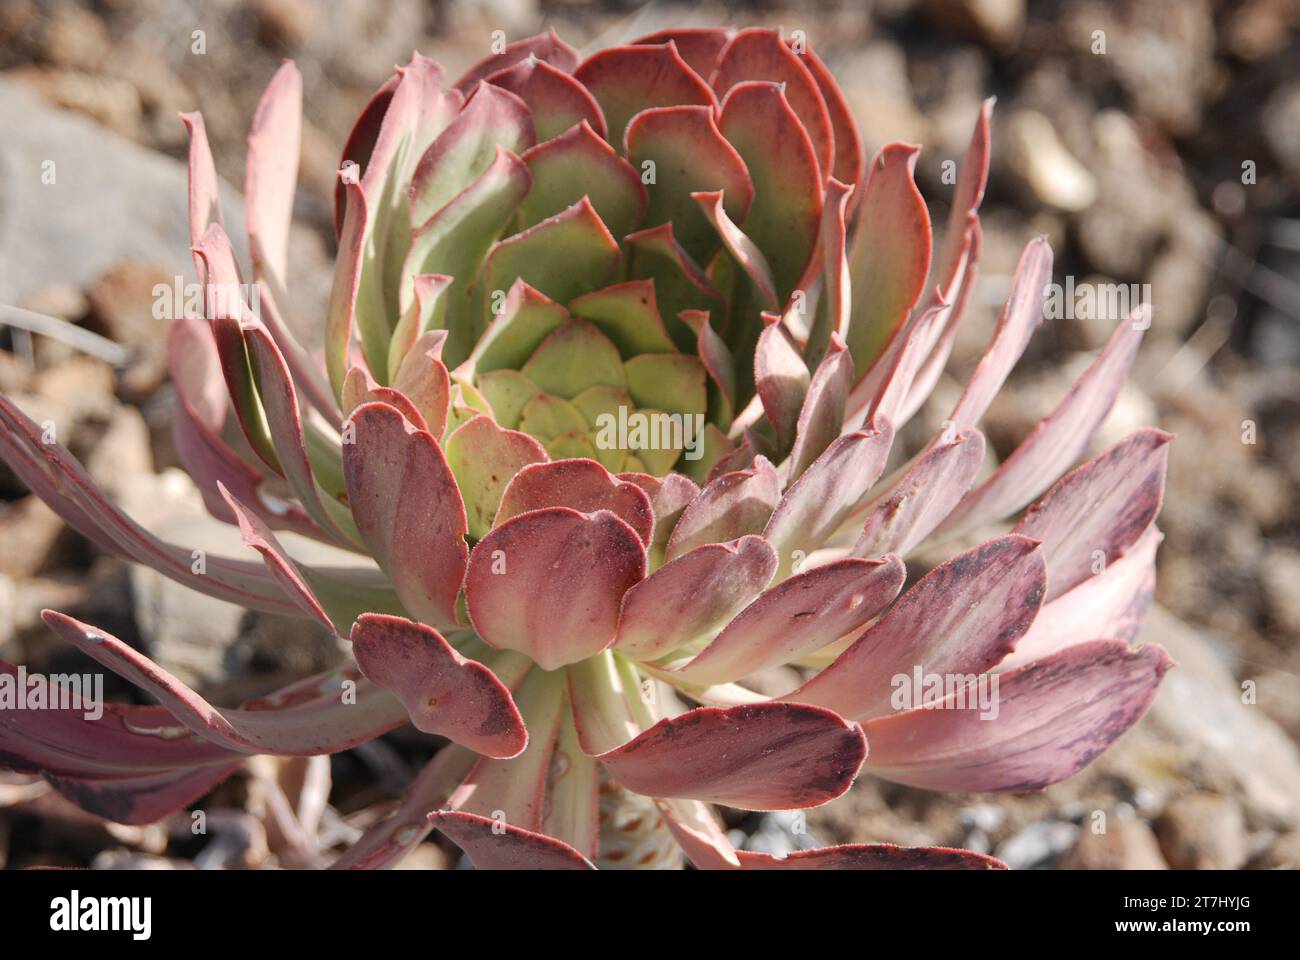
(443, 692)
(493, 846)
(626, 80)
(555, 100)
(549, 583)
(765, 756)
(733, 505)
(583, 485)
(542, 46)
(1054, 717)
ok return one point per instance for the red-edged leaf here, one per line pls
(491, 118)
(760, 54)
(304, 720)
(800, 614)
(1059, 438)
(733, 505)
(204, 187)
(549, 583)
(697, 831)
(893, 246)
(583, 485)
(576, 164)
(444, 693)
(786, 213)
(827, 492)
(669, 497)
(408, 509)
(835, 270)
(628, 79)
(962, 617)
(1093, 514)
(543, 46)
(966, 199)
(491, 845)
(340, 313)
(554, 98)
(1054, 717)
(693, 597)
(689, 155)
(679, 283)
(699, 46)
(849, 162)
(570, 254)
(763, 756)
(627, 313)
(745, 251)
(359, 387)
(422, 378)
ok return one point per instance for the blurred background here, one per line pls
(1153, 143)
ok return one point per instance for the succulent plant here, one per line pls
(605, 425)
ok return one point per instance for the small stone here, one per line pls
(1126, 845)
(1203, 831)
(122, 304)
(30, 532)
(1037, 845)
(76, 38)
(123, 452)
(1282, 854)
(1279, 573)
(286, 23)
(1047, 167)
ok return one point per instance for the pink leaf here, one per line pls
(733, 505)
(444, 693)
(585, 486)
(1054, 716)
(493, 846)
(764, 756)
(544, 46)
(549, 583)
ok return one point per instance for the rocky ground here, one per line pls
(1153, 143)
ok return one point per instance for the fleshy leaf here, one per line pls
(822, 415)
(492, 845)
(484, 457)
(444, 693)
(782, 380)
(574, 358)
(1054, 716)
(577, 164)
(527, 317)
(583, 485)
(554, 98)
(549, 583)
(626, 80)
(961, 618)
(764, 756)
(672, 382)
(800, 614)
(628, 314)
(693, 597)
(688, 155)
(542, 46)
(407, 506)
(733, 505)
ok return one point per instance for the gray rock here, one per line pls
(1037, 845)
(111, 200)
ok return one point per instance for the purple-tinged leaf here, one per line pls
(822, 415)
(1111, 604)
(408, 509)
(669, 497)
(698, 46)
(1054, 716)
(443, 692)
(305, 720)
(1058, 439)
(583, 485)
(359, 387)
(1021, 315)
(697, 831)
(763, 756)
(782, 380)
(954, 253)
(141, 799)
(693, 597)
(732, 506)
(962, 617)
(423, 380)
(1093, 514)
(918, 501)
(800, 614)
(279, 564)
(492, 846)
(549, 583)
(828, 491)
